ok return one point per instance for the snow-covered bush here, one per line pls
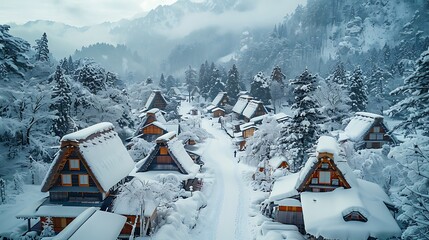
(18, 182)
(140, 148)
(193, 125)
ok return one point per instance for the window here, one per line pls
(74, 164)
(372, 136)
(63, 222)
(380, 136)
(376, 129)
(314, 181)
(325, 166)
(66, 179)
(325, 177)
(163, 150)
(83, 180)
(335, 182)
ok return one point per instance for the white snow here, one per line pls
(328, 144)
(93, 224)
(178, 150)
(86, 132)
(285, 187)
(59, 211)
(166, 137)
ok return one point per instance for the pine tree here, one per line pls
(260, 89)
(219, 86)
(170, 82)
(191, 80)
(232, 84)
(71, 66)
(42, 50)
(204, 79)
(416, 103)
(277, 75)
(162, 82)
(13, 58)
(48, 228)
(65, 66)
(358, 95)
(111, 79)
(339, 75)
(299, 136)
(61, 95)
(92, 76)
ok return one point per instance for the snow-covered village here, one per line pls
(214, 119)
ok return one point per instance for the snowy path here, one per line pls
(228, 203)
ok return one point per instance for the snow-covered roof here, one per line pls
(280, 231)
(105, 155)
(360, 124)
(210, 107)
(158, 124)
(258, 119)
(93, 224)
(31, 210)
(217, 100)
(285, 187)
(174, 90)
(324, 215)
(217, 109)
(179, 153)
(87, 132)
(152, 96)
(247, 126)
(241, 104)
(59, 211)
(172, 127)
(166, 137)
(328, 144)
(280, 117)
(251, 108)
(276, 161)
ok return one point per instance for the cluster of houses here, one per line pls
(85, 179)
(324, 200)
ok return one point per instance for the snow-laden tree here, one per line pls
(162, 82)
(415, 106)
(41, 48)
(13, 58)
(71, 66)
(61, 95)
(334, 99)
(300, 135)
(91, 75)
(262, 145)
(412, 190)
(379, 85)
(149, 81)
(277, 75)
(232, 83)
(260, 88)
(339, 75)
(358, 94)
(171, 82)
(277, 94)
(217, 87)
(203, 79)
(190, 80)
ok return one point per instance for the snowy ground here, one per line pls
(226, 214)
(15, 204)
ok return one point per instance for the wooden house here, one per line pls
(89, 166)
(87, 226)
(193, 111)
(327, 190)
(169, 155)
(254, 109)
(174, 92)
(155, 100)
(368, 130)
(240, 105)
(218, 112)
(152, 125)
(247, 130)
(220, 101)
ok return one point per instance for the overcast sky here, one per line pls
(90, 12)
(74, 12)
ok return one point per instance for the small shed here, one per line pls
(254, 109)
(218, 112)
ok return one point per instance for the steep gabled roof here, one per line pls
(149, 102)
(252, 107)
(241, 104)
(360, 125)
(100, 150)
(177, 152)
(217, 100)
(292, 185)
